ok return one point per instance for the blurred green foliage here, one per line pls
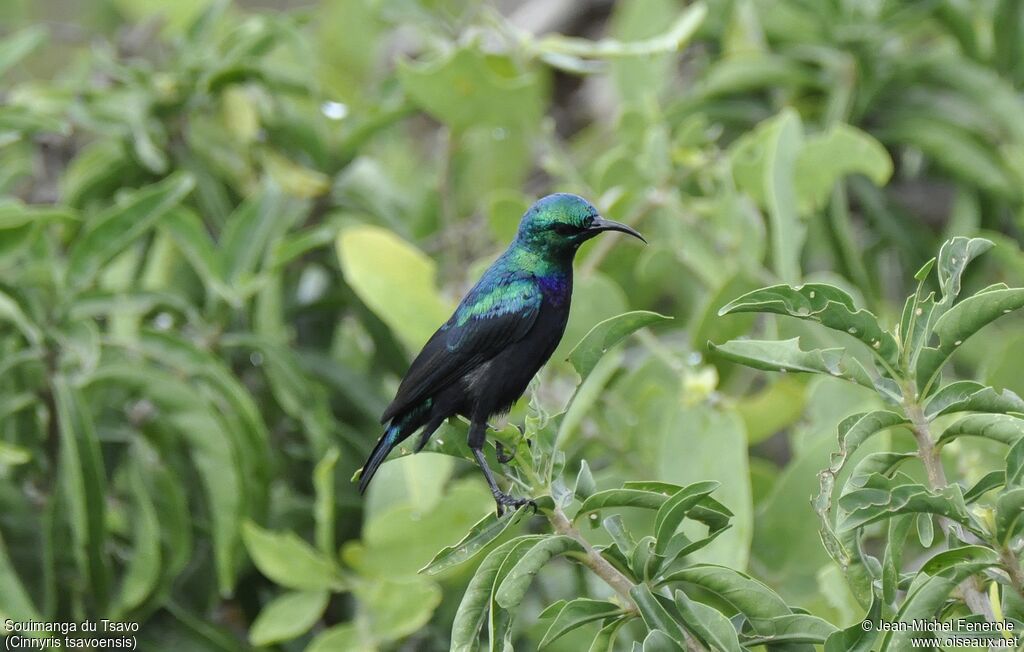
(224, 231)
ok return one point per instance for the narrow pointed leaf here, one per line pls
(825, 304)
(675, 509)
(856, 638)
(988, 482)
(654, 613)
(585, 355)
(621, 498)
(482, 533)
(111, 232)
(577, 613)
(472, 611)
(288, 616)
(750, 597)
(786, 355)
(289, 561)
(1003, 428)
(961, 322)
(710, 625)
(514, 586)
(1009, 514)
(868, 505)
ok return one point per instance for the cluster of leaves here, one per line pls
(980, 522)
(222, 234)
(665, 598)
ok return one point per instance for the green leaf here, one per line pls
(585, 487)
(288, 616)
(472, 611)
(15, 602)
(143, 570)
(467, 87)
(1003, 428)
(672, 40)
(961, 322)
(855, 429)
(954, 256)
(512, 589)
(675, 509)
(750, 597)
(764, 164)
(248, 232)
(948, 559)
(786, 355)
(792, 629)
(19, 45)
(822, 303)
(193, 241)
(871, 504)
(83, 480)
(402, 292)
(585, 355)
(970, 396)
(837, 152)
(953, 148)
(323, 508)
(97, 170)
(899, 528)
(110, 233)
(926, 529)
(654, 613)
(924, 601)
(605, 639)
(12, 312)
(1015, 464)
(577, 613)
(15, 214)
(658, 641)
(1009, 510)
(988, 482)
(710, 625)
(643, 499)
(289, 561)
(856, 638)
(485, 531)
(340, 637)
(398, 608)
(296, 180)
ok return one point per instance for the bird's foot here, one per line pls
(504, 500)
(503, 458)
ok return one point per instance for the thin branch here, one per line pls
(1012, 567)
(972, 594)
(592, 559)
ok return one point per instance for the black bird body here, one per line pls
(482, 359)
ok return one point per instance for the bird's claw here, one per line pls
(500, 453)
(503, 500)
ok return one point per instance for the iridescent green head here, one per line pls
(560, 223)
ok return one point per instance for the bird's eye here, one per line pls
(561, 228)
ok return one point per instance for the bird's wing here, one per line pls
(488, 320)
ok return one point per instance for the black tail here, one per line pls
(397, 432)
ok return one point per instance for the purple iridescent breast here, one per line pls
(557, 288)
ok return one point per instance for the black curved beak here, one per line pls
(601, 224)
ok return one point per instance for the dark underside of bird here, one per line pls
(482, 359)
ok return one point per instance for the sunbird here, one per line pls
(482, 359)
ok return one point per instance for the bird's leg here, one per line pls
(477, 435)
